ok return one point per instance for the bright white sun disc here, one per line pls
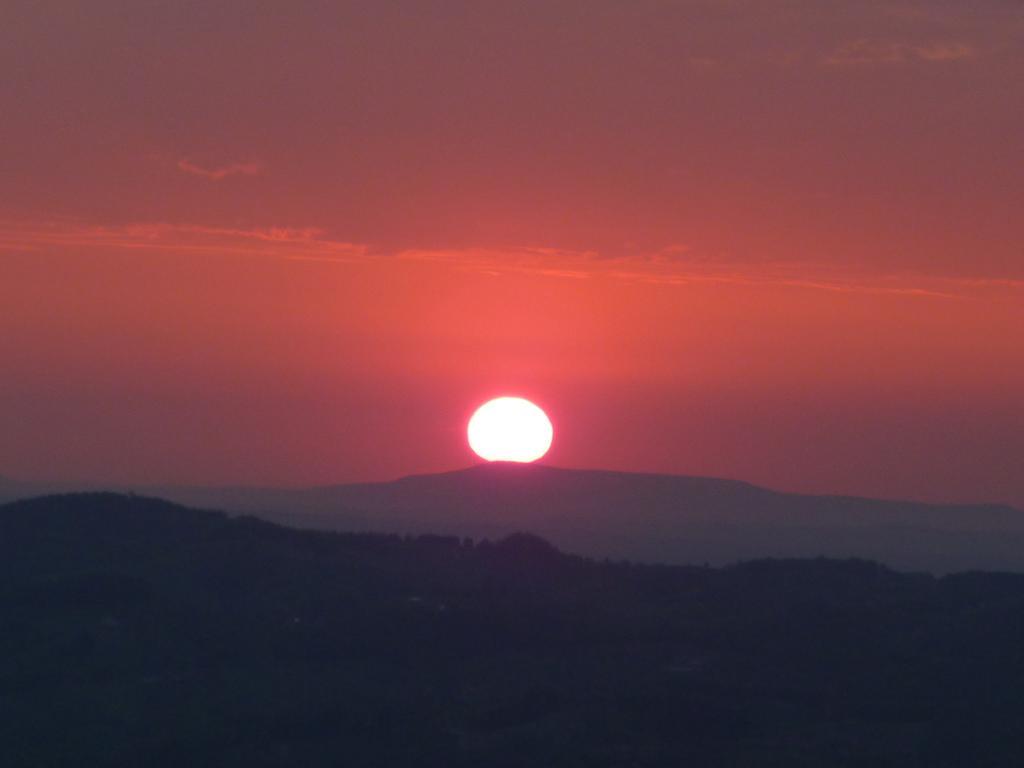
(510, 429)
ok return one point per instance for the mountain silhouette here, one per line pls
(640, 517)
(647, 517)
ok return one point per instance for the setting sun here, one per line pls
(510, 429)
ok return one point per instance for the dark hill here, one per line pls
(137, 632)
(649, 518)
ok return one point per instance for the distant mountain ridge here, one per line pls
(644, 517)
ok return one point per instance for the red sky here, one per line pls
(291, 243)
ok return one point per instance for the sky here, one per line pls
(298, 243)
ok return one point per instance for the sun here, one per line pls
(510, 429)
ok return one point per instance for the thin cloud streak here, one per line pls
(221, 173)
(271, 242)
(670, 266)
(865, 52)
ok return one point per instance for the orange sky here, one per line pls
(298, 243)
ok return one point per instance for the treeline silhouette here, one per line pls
(136, 632)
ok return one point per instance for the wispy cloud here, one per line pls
(867, 52)
(676, 265)
(673, 265)
(276, 242)
(219, 173)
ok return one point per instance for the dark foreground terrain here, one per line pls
(135, 632)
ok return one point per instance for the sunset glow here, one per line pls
(716, 238)
(294, 295)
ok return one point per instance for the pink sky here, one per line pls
(299, 242)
